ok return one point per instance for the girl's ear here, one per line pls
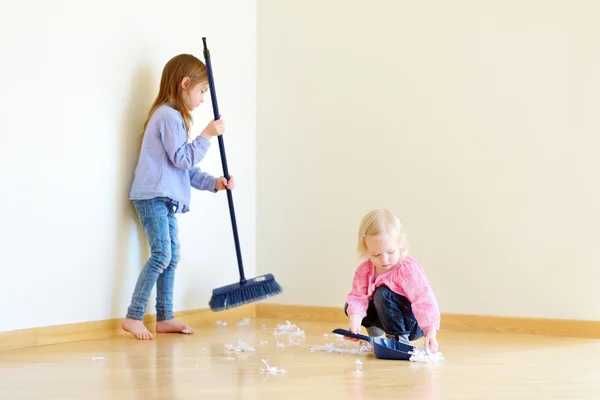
(185, 82)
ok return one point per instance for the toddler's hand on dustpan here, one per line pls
(431, 343)
(355, 321)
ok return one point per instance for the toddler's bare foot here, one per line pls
(137, 329)
(172, 326)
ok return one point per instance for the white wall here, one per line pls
(76, 81)
(476, 122)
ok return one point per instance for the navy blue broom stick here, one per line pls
(215, 106)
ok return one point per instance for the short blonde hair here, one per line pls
(381, 222)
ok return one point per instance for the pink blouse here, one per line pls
(407, 279)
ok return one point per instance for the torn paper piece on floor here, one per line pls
(221, 323)
(358, 364)
(420, 354)
(280, 345)
(264, 342)
(271, 370)
(289, 329)
(244, 322)
(331, 348)
(240, 347)
(358, 371)
(297, 333)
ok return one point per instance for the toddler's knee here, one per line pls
(382, 294)
(384, 298)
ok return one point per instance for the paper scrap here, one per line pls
(359, 370)
(331, 348)
(271, 370)
(288, 327)
(241, 347)
(297, 333)
(421, 354)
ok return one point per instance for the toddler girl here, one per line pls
(390, 292)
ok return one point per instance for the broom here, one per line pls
(244, 291)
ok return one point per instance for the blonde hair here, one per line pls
(381, 222)
(177, 68)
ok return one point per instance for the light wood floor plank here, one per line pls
(476, 366)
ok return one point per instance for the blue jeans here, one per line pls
(160, 226)
(391, 313)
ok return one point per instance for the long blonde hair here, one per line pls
(177, 68)
(381, 222)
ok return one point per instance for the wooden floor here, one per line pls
(476, 366)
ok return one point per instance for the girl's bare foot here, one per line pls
(137, 329)
(172, 326)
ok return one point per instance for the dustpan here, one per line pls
(386, 349)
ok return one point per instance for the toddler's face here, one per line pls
(383, 251)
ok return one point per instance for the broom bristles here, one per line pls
(238, 294)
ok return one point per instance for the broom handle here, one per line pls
(213, 96)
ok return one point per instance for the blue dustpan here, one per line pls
(386, 349)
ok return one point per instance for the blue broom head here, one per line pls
(238, 294)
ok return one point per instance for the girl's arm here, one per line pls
(358, 300)
(202, 180)
(421, 296)
(183, 155)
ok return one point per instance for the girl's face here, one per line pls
(383, 251)
(194, 96)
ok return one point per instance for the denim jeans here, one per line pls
(160, 226)
(391, 313)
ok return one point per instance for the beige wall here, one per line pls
(476, 122)
(76, 81)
